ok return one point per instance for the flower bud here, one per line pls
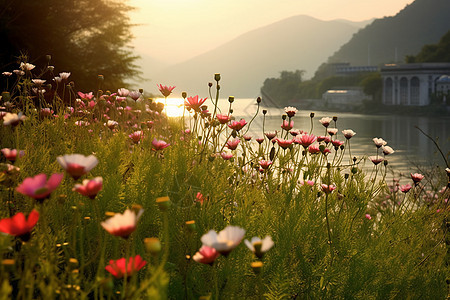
(346, 175)
(184, 95)
(258, 100)
(48, 57)
(231, 99)
(191, 225)
(73, 263)
(257, 266)
(9, 264)
(284, 117)
(217, 77)
(50, 68)
(152, 245)
(335, 118)
(163, 203)
(264, 111)
(385, 162)
(311, 115)
(210, 84)
(354, 170)
(231, 111)
(100, 77)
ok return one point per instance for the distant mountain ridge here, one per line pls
(392, 38)
(299, 42)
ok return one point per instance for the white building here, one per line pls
(411, 84)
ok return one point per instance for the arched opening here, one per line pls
(404, 91)
(388, 91)
(415, 91)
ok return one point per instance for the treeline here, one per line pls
(291, 86)
(433, 53)
(85, 37)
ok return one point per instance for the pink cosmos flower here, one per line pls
(295, 132)
(206, 255)
(305, 139)
(405, 188)
(223, 118)
(416, 177)
(87, 96)
(194, 103)
(322, 138)
(135, 95)
(165, 90)
(368, 217)
(226, 156)
(325, 150)
(314, 149)
(122, 224)
(376, 159)
(232, 144)
(247, 137)
(337, 143)
(308, 182)
(290, 111)
(118, 268)
(237, 125)
(270, 135)
(20, 226)
(136, 136)
(38, 187)
(159, 145)
(387, 150)
(328, 188)
(265, 164)
(89, 188)
(259, 140)
(286, 125)
(199, 198)
(76, 165)
(13, 119)
(11, 154)
(284, 143)
(122, 92)
(224, 241)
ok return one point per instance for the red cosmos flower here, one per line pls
(159, 145)
(305, 139)
(232, 144)
(136, 136)
(38, 187)
(295, 132)
(332, 131)
(247, 137)
(325, 121)
(265, 164)
(226, 156)
(328, 188)
(76, 165)
(223, 118)
(194, 103)
(206, 255)
(313, 149)
(337, 143)
(165, 90)
(87, 96)
(19, 226)
(325, 150)
(405, 188)
(237, 125)
(287, 125)
(259, 140)
(284, 143)
(290, 111)
(118, 268)
(416, 177)
(89, 188)
(11, 154)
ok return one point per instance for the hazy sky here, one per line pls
(175, 30)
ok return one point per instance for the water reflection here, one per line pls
(411, 146)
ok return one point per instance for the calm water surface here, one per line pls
(412, 148)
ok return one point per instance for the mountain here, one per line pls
(392, 38)
(299, 42)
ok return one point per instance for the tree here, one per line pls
(84, 37)
(284, 88)
(433, 53)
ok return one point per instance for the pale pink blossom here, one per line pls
(206, 255)
(38, 187)
(122, 224)
(89, 187)
(76, 165)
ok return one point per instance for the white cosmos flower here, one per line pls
(379, 142)
(258, 246)
(64, 75)
(77, 164)
(325, 121)
(332, 131)
(224, 241)
(27, 66)
(387, 150)
(122, 224)
(13, 119)
(348, 133)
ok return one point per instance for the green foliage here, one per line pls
(84, 37)
(433, 53)
(282, 89)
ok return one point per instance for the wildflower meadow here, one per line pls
(105, 197)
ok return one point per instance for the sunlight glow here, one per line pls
(175, 106)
